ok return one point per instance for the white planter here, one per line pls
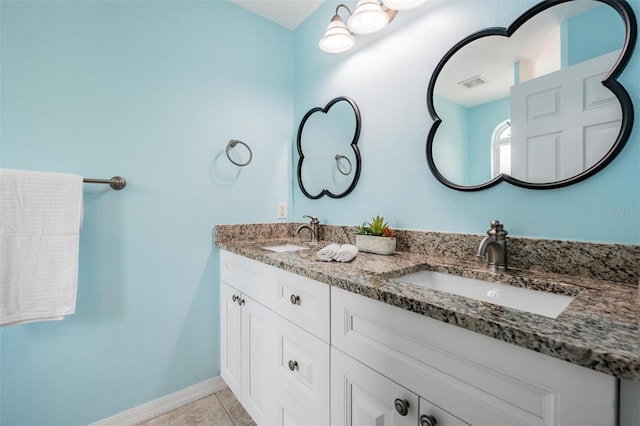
(375, 244)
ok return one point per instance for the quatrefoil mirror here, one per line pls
(536, 104)
(329, 159)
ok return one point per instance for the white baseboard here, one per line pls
(163, 405)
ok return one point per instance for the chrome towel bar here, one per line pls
(116, 182)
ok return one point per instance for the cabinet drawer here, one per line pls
(252, 278)
(431, 414)
(304, 302)
(480, 380)
(302, 368)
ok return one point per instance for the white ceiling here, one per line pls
(288, 13)
(493, 58)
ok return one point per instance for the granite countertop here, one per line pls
(598, 330)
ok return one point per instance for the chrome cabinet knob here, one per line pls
(234, 298)
(402, 406)
(427, 420)
(295, 299)
(293, 365)
(240, 301)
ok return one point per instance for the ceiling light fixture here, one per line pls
(337, 38)
(368, 17)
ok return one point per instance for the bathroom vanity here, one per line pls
(309, 342)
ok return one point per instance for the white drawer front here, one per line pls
(481, 380)
(252, 278)
(431, 414)
(302, 368)
(304, 302)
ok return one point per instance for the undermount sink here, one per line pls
(534, 301)
(282, 248)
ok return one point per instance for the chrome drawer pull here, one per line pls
(402, 406)
(293, 365)
(295, 299)
(427, 420)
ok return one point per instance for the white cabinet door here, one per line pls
(257, 392)
(629, 403)
(245, 341)
(301, 367)
(231, 338)
(362, 397)
(289, 412)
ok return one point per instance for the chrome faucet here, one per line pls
(313, 227)
(494, 247)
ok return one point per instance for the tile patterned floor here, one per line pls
(220, 409)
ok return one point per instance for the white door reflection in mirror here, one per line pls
(563, 122)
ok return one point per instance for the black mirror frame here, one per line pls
(610, 82)
(354, 146)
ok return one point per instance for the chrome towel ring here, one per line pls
(232, 144)
(341, 169)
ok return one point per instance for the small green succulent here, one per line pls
(363, 229)
(377, 225)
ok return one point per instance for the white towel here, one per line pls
(346, 253)
(328, 253)
(41, 215)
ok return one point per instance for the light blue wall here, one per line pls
(462, 147)
(449, 147)
(151, 91)
(591, 34)
(387, 75)
(483, 120)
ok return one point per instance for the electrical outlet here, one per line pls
(282, 210)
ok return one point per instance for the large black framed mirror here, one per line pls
(536, 104)
(329, 160)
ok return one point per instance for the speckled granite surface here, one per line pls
(599, 329)
(614, 262)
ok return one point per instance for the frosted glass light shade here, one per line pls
(402, 4)
(367, 18)
(337, 38)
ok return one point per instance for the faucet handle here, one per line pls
(314, 219)
(497, 229)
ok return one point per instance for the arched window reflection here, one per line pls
(501, 149)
